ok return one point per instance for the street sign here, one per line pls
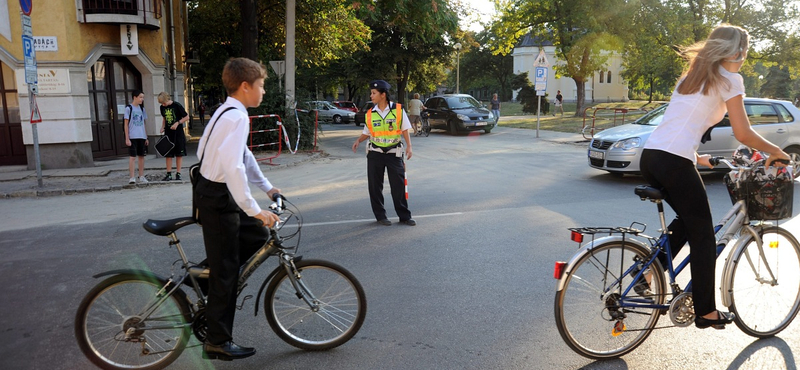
(27, 30)
(27, 6)
(541, 60)
(30, 60)
(540, 80)
(36, 117)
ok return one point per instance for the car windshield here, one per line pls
(327, 105)
(463, 102)
(346, 104)
(653, 118)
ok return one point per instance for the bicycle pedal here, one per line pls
(239, 307)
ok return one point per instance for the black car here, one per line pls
(361, 115)
(458, 113)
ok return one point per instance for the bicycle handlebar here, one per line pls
(714, 161)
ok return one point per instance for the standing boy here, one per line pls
(135, 135)
(232, 221)
(174, 116)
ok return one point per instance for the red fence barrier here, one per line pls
(618, 116)
(277, 129)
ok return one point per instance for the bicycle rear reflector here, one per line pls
(559, 269)
(773, 244)
(576, 237)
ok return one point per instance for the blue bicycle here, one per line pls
(613, 291)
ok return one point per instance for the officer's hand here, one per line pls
(355, 146)
(267, 218)
(408, 152)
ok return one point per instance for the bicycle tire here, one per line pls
(763, 309)
(341, 299)
(586, 304)
(112, 306)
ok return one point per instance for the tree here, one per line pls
(407, 35)
(480, 67)
(582, 32)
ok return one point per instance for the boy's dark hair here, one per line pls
(238, 70)
(136, 93)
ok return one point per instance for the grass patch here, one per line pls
(512, 116)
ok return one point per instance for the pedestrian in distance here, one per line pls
(135, 135)
(386, 127)
(559, 103)
(415, 108)
(174, 116)
(202, 110)
(496, 108)
(232, 221)
(709, 88)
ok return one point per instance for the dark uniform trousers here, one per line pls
(230, 237)
(377, 164)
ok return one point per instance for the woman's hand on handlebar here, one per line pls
(267, 218)
(779, 159)
(704, 160)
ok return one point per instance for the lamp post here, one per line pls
(458, 66)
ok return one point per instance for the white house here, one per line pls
(604, 86)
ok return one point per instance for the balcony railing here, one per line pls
(142, 12)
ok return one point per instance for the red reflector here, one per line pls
(558, 269)
(576, 237)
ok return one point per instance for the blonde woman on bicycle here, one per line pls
(709, 88)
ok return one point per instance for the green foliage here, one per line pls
(527, 95)
(273, 103)
(483, 69)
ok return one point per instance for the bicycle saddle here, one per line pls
(166, 227)
(648, 192)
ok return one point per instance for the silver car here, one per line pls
(618, 149)
(329, 112)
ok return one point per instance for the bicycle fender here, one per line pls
(264, 285)
(586, 249)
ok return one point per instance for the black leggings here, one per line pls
(685, 192)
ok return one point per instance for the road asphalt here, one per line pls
(112, 175)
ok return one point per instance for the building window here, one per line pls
(601, 76)
(609, 77)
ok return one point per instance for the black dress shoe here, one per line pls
(410, 222)
(227, 351)
(724, 318)
(385, 222)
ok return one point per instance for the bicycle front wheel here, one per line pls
(593, 316)
(765, 283)
(114, 334)
(325, 310)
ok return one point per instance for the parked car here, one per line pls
(457, 113)
(346, 105)
(618, 149)
(361, 116)
(329, 112)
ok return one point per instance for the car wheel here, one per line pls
(794, 154)
(337, 119)
(453, 128)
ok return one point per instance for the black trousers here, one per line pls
(377, 164)
(230, 237)
(685, 192)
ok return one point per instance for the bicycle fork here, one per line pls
(301, 290)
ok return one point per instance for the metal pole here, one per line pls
(538, 114)
(290, 53)
(35, 130)
(458, 70)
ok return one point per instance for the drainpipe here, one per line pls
(173, 61)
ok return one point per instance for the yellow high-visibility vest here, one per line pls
(379, 129)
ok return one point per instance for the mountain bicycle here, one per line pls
(611, 294)
(135, 319)
(426, 126)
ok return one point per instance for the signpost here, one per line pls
(541, 70)
(31, 78)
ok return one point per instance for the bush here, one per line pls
(274, 103)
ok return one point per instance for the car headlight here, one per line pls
(351, 115)
(463, 117)
(628, 144)
(490, 116)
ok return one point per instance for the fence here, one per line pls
(618, 116)
(278, 129)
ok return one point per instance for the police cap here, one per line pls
(380, 85)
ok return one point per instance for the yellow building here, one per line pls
(91, 55)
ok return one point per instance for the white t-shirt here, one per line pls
(414, 107)
(688, 117)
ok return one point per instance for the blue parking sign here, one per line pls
(30, 60)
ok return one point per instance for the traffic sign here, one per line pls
(27, 30)
(540, 80)
(36, 117)
(30, 60)
(27, 6)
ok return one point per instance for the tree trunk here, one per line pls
(652, 83)
(581, 91)
(249, 29)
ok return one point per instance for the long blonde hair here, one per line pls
(724, 43)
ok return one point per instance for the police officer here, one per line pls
(386, 125)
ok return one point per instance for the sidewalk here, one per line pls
(112, 175)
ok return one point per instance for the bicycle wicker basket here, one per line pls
(767, 192)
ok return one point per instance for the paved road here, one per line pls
(470, 287)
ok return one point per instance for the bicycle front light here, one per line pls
(628, 144)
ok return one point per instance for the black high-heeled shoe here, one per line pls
(724, 319)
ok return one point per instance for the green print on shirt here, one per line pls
(169, 115)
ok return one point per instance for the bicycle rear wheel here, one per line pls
(588, 310)
(112, 333)
(339, 306)
(765, 283)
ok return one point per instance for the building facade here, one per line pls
(605, 86)
(91, 55)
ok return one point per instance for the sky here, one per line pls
(484, 9)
